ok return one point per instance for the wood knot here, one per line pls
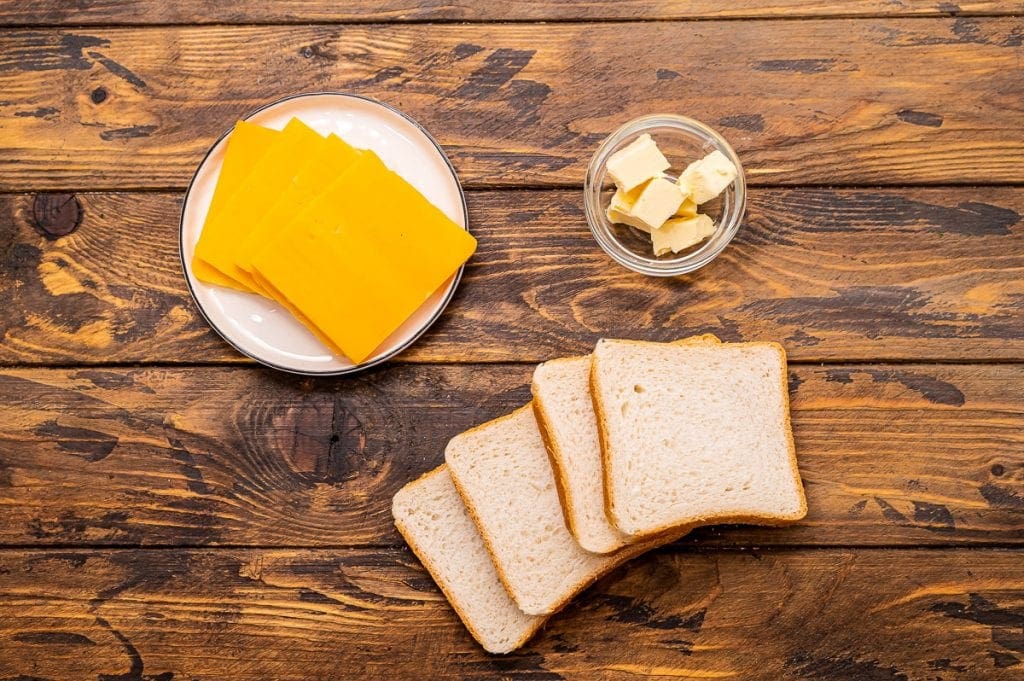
(56, 215)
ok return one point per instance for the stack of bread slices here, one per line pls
(619, 451)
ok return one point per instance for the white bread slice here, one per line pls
(502, 472)
(505, 479)
(565, 412)
(430, 515)
(695, 434)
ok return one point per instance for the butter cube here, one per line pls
(619, 210)
(636, 163)
(688, 209)
(658, 201)
(680, 233)
(624, 201)
(622, 218)
(707, 178)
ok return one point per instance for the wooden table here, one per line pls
(172, 511)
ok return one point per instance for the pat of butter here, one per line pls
(707, 178)
(636, 163)
(679, 233)
(658, 201)
(688, 209)
(619, 210)
(623, 201)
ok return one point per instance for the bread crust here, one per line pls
(557, 459)
(565, 499)
(630, 552)
(790, 442)
(421, 555)
(774, 521)
(602, 438)
(488, 542)
(640, 543)
(614, 560)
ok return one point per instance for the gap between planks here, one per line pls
(246, 363)
(553, 187)
(297, 21)
(693, 549)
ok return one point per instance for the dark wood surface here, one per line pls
(872, 101)
(918, 274)
(904, 454)
(119, 12)
(358, 613)
(169, 511)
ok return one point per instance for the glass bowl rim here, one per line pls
(728, 224)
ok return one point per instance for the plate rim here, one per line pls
(355, 367)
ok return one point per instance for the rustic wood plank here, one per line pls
(99, 12)
(812, 614)
(835, 102)
(890, 454)
(834, 274)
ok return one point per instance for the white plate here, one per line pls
(262, 329)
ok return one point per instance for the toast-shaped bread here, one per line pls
(430, 515)
(505, 479)
(695, 434)
(503, 475)
(565, 413)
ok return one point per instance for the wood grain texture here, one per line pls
(254, 507)
(890, 454)
(822, 102)
(833, 274)
(375, 614)
(98, 12)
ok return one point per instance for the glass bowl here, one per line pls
(682, 140)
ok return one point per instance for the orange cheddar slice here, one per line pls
(334, 156)
(362, 257)
(246, 144)
(269, 177)
(276, 295)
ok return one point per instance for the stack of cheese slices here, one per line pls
(328, 232)
(619, 451)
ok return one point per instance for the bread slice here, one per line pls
(565, 412)
(505, 479)
(695, 434)
(430, 515)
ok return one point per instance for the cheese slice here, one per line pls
(271, 174)
(363, 257)
(334, 156)
(245, 146)
(278, 297)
